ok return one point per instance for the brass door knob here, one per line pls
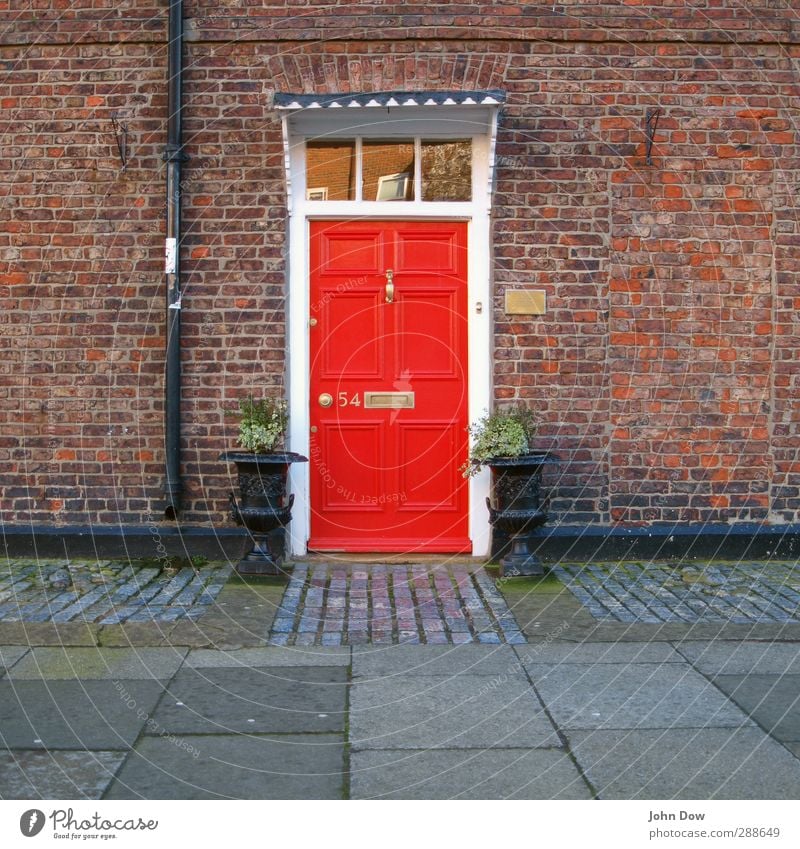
(325, 400)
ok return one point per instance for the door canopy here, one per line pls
(389, 99)
(432, 114)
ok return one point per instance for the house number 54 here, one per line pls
(345, 401)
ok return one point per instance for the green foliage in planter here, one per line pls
(503, 433)
(263, 424)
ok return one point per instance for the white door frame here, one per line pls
(478, 123)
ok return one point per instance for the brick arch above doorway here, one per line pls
(445, 70)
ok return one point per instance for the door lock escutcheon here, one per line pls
(325, 399)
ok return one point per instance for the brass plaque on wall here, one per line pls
(389, 400)
(526, 302)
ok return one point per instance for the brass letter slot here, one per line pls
(389, 400)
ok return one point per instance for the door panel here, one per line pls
(354, 477)
(427, 338)
(385, 468)
(348, 316)
(358, 253)
(426, 249)
(426, 484)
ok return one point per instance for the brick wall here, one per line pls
(665, 371)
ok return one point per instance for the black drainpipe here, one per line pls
(174, 157)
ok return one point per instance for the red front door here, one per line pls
(388, 386)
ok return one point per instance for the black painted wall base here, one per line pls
(564, 542)
(131, 542)
(661, 542)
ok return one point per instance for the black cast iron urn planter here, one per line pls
(516, 485)
(262, 506)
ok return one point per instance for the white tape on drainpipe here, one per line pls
(171, 256)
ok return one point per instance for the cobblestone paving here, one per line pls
(105, 592)
(665, 592)
(340, 605)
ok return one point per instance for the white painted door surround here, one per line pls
(413, 115)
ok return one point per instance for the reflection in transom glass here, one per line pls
(331, 170)
(367, 169)
(387, 170)
(447, 170)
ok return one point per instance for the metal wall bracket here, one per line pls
(651, 125)
(121, 136)
(174, 153)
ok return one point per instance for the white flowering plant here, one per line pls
(263, 424)
(503, 433)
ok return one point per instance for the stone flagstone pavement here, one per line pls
(563, 704)
(559, 720)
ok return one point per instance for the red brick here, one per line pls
(672, 286)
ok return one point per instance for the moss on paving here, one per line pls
(279, 581)
(172, 562)
(517, 586)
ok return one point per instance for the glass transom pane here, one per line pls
(447, 170)
(331, 170)
(387, 169)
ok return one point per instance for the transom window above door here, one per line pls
(396, 169)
